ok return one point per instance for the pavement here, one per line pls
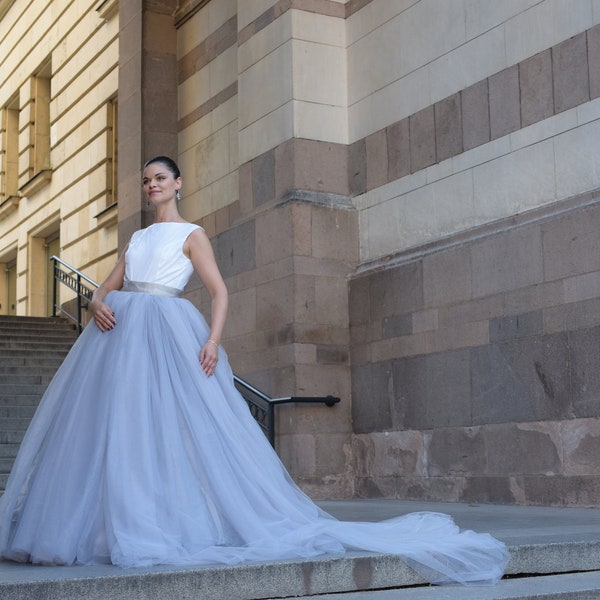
(551, 549)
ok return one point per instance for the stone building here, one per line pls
(403, 197)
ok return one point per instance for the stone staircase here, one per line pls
(31, 350)
(555, 553)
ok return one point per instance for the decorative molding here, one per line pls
(4, 6)
(108, 216)
(9, 206)
(318, 199)
(36, 183)
(536, 215)
(186, 9)
(107, 9)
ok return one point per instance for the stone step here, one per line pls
(9, 450)
(9, 424)
(20, 400)
(6, 464)
(50, 342)
(21, 320)
(21, 389)
(27, 373)
(18, 328)
(32, 357)
(11, 437)
(570, 586)
(18, 412)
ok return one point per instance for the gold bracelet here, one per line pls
(212, 342)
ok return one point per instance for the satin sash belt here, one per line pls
(156, 289)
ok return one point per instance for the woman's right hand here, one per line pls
(104, 317)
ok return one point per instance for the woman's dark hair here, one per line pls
(168, 162)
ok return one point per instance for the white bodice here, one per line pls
(155, 255)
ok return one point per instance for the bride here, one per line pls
(143, 452)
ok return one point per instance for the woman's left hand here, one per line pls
(209, 356)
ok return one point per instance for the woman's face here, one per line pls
(159, 184)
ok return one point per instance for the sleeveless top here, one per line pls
(155, 262)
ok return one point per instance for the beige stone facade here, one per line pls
(402, 196)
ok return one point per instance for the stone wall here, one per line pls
(475, 366)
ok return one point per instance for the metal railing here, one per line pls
(262, 407)
(67, 275)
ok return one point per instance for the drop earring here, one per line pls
(178, 196)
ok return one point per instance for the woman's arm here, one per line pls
(103, 315)
(199, 249)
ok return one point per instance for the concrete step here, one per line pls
(31, 359)
(12, 424)
(17, 411)
(52, 342)
(35, 321)
(11, 437)
(571, 586)
(21, 389)
(6, 465)
(20, 400)
(24, 376)
(554, 551)
(9, 450)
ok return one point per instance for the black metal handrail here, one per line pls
(73, 279)
(262, 407)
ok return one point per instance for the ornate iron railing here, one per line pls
(74, 280)
(262, 407)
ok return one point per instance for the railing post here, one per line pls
(79, 303)
(54, 286)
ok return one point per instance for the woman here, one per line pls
(142, 451)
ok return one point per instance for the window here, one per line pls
(9, 153)
(34, 121)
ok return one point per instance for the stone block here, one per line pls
(505, 104)
(263, 178)
(516, 326)
(570, 73)
(572, 244)
(245, 187)
(331, 301)
(515, 449)
(357, 170)
(302, 229)
(584, 348)
(332, 355)
(323, 166)
(335, 235)
(396, 325)
(581, 443)
(235, 249)
(359, 300)
(284, 168)
(520, 380)
(575, 315)
(432, 391)
(457, 450)
(422, 139)
(397, 453)
(275, 304)
(593, 45)
(298, 453)
(475, 115)
(305, 306)
(396, 291)
(448, 127)
(582, 287)
(447, 277)
(398, 150)
(425, 320)
(372, 393)
(487, 489)
(539, 295)
(562, 491)
(242, 313)
(331, 454)
(507, 262)
(535, 77)
(377, 159)
(274, 240)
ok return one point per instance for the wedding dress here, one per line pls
(135, 457)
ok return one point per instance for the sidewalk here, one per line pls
(541, 540)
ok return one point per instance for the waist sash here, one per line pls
(156, 289)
